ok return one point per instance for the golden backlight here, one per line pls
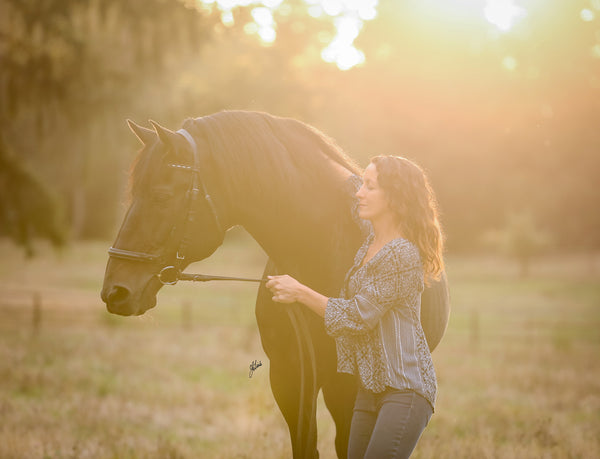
(503, 13)
(349, 16)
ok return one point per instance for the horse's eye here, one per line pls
(161, 197)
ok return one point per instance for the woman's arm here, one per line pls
(396, 276)
(356, 315)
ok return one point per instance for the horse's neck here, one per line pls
(315, 244)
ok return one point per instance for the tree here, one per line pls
(28, 208)
(68, 69)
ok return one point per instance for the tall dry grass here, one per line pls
(518, 370)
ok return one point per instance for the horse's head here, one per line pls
(169, 204)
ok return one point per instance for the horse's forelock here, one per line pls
(140, 169)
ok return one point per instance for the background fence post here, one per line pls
(36, 313)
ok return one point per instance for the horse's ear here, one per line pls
(169, 137)
(145, 135)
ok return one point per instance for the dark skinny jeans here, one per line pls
(387, 425)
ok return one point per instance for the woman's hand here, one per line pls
(285, 288)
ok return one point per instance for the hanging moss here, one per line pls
(28, 209)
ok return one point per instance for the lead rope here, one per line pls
(312, 359)
(298, 321)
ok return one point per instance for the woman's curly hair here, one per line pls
(413, 202)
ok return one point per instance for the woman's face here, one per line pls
(373, 203)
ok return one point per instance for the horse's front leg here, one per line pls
(286, 341)
(339, 393)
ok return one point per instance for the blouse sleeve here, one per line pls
(394, 278)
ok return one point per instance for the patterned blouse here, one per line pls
(376, 324)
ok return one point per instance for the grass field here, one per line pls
(518, 369)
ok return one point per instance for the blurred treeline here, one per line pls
(506, 124)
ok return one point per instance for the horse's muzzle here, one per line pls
(119, 301)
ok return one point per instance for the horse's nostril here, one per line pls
(118, 294)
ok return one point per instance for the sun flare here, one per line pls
(349, 16)
(503, 13)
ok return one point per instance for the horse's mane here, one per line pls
(267, 153)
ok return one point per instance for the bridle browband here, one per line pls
(169, 274)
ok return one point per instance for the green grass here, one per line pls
(518, 369)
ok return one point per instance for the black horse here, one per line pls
(287, 184)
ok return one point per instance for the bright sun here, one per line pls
(503, 13)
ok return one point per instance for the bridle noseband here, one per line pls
(170, 274)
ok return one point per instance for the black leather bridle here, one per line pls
(169, 274)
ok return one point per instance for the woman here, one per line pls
(376, 323)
